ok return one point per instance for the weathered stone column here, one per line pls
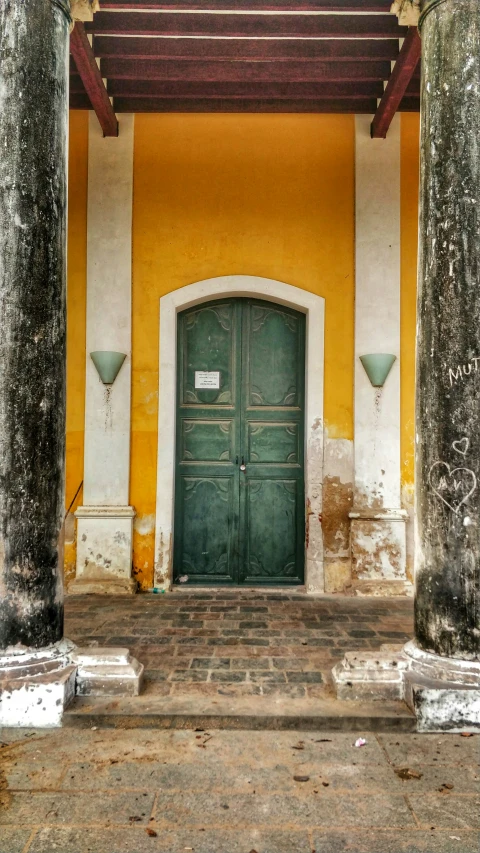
(33, 195)
(439, 673)
(447, 597)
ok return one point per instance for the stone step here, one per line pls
(241, 712)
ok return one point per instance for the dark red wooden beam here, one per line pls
(92, 80)
(281, 72)
(212, 105)
(397, 85)
(253, 91)
(252, 26)
(136, 47)
(255, 5)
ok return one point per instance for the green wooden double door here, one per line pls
(239, 496)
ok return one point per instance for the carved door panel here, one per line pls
(272, 490)
(239, 497)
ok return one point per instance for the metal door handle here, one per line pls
(243, 467)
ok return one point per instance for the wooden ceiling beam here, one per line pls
(210, 105)
(281, 72)
(136, 47)
(257, 91)
(398, 83)
(92, 80)
(252, 26)
(254, 5)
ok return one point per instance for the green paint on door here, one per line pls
(239, 495)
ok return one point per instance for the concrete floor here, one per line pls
(133, 791)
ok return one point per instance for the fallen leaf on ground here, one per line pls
(151, 832)
(446, 786)
(466, 734)
(301, 778)
(324, 740)
(407, 773)
(299, 745)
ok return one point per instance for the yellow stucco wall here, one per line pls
(409, 175)
(265, 195)
(76, 316)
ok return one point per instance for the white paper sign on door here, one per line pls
(207, 379)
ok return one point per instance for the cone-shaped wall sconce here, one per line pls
(377, 367)
(108, 364)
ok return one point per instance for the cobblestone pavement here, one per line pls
(238, 642)
(150, 791)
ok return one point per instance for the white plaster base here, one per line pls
(371, 675)
(107, 672)
(379, 553)
(36, 686)
(104, 550)
(444, 693)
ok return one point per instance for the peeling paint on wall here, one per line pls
(337, 503)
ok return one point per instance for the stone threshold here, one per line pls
(238, 589)
(241, 712)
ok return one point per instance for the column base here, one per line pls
(379, 552)
(107, 672)
(444, 693)
(36, 686)
(104, 551)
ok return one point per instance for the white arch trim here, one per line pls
(274, 291)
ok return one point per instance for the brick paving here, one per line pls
(238, 643)
(133, 791)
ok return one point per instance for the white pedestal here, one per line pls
(107, 672)
(36, 686)
(443, 693)
(378, 549)
(104, 550)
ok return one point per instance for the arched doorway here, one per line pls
(239, 484)
(313, 307)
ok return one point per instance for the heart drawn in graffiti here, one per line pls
(461, 446)
(453, 487)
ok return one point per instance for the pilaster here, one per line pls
(378, 541)
(105, 522)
